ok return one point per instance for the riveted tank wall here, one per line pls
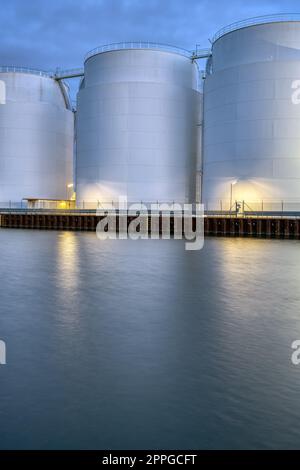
(252, 117)
(137, 127)
(36, 138)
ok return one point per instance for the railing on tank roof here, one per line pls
(256, 21)
(12, 68)
(57, 74)
(138, 45)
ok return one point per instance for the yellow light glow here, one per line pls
(246, 190)
(70, 185)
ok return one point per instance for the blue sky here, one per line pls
(50, 33)
(57, 33)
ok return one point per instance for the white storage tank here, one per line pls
(36, 137)
(252, 116)
(137, 118)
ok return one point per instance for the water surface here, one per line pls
(140, 344)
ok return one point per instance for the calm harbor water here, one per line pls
(140, 344)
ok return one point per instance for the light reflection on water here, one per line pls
(124, 344)
(67, 256)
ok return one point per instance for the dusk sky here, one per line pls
(58, 33)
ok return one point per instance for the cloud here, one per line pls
(46, 35)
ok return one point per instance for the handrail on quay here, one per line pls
(253, 215)
(207, 214)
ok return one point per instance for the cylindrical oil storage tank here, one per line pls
(252, 116)
(137, 118)
(36, 137)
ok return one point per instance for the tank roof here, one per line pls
(15, 69)
(137, 45)
(257, 20)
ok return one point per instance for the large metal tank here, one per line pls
(137, 117)
(36, 137)
(252, 117)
